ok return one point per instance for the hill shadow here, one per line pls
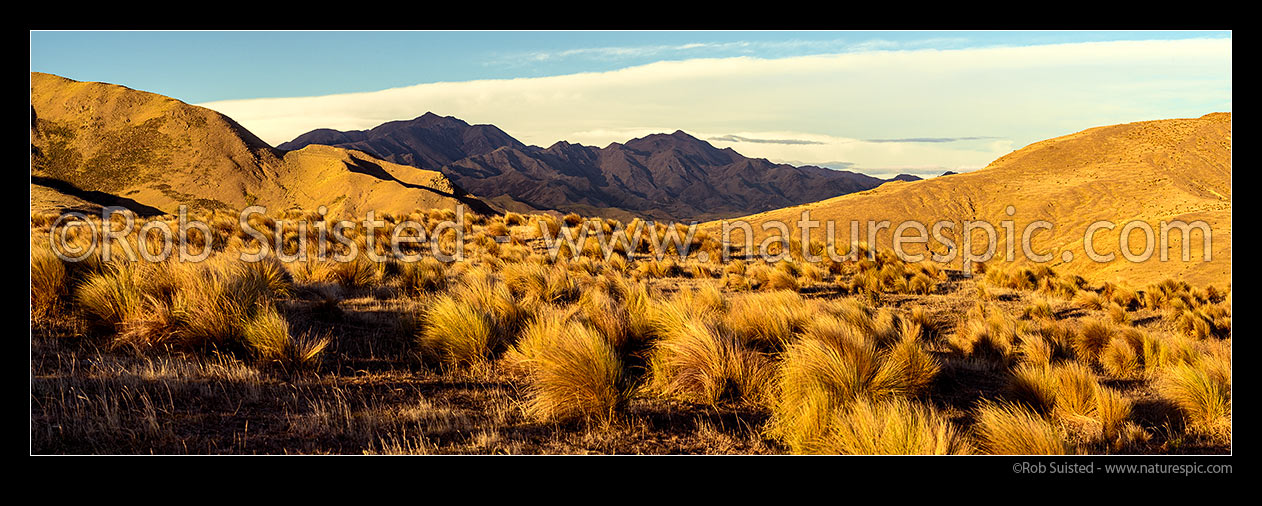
(96, 197)
(368, 168)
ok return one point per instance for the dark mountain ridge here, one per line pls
(661, 176)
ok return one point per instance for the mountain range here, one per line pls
(97, 144)
(661, 176)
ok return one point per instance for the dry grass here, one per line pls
(572, 372)
(1120, 359)
(49, 281)
(695, 361)
(1202, 392)
(541, 283)
(838, 357)
(820, 375)
(1007, 429)
(989, 334)
(113, 296)
(1070, 395)
(425, 276)
(893, 427)
(356, 273)
(269, 336)
(457, 333)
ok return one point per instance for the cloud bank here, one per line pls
(737, 138)
(916, 108)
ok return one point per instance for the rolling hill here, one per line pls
(95, 144)
(1152, 171)
(661, 176)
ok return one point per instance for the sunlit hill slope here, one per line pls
(99, 144)
(1154, 171)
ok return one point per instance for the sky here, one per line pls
(876, 102)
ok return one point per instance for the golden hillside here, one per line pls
(102, 144)
(1154, 171)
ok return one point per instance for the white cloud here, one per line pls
(1016, 94)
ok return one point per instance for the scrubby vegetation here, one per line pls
(613, 350)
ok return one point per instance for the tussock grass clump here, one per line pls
(470, 324)
(1126, 298)
(219, 304)
(1089, 300)
(1040, 309)
(49, 281)
(1035, 348)
(607, 314)
(268, 335)
(1058, 337)
(355, 273)
(535, 335)
(541, 283)
(893, 427)
(1178, 295)
(191, 306)
(767, 320)
(267, 274)
(1113, 411)
(456, 333)
(1076, 390)
(310, 271)
(694, 360)
(664, 268)
(1035, 386)
(1016, 279)
(497, 229)
(1094, 336)
(883, 326)
(1200, 321)
(811, 274)
(703, 300)
(736, 283)
(1009, 429)
(1120, 358)
(425, 276)
(817, 378)
(780, 279)
(906, 369)
(1160, 352)
(1117, 314)
(921, 284)
(919, 316)
(112, 296)
(984, 293)
(1065, 288)
(1071, 396)
(989, 334)
(1202, 392)
(571, 372)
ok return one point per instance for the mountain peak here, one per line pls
(428, 141)
(679, 138)
(429, 118)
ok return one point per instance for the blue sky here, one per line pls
(874, 101)
(209, 66)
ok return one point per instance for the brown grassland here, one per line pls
(512, 351)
